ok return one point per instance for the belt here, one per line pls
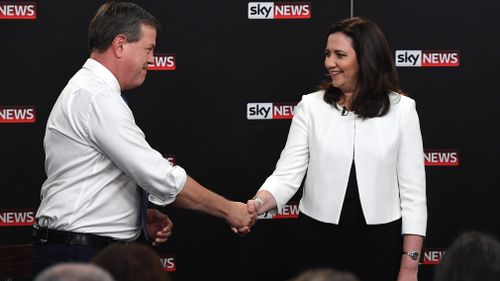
(43, 235)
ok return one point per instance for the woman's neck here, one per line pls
(346, 100)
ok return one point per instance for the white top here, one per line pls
(387, 152)
(95, 156)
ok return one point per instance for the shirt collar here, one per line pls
(102, 72)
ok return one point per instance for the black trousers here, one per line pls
(371, 252)
(53, 246)
(48, 254)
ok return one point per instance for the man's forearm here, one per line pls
(196, 197)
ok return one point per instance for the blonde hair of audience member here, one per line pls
(132, 262)
(325, 274)
(74, 272)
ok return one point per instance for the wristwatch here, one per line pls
(414, 255)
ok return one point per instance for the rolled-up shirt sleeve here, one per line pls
(111, 128)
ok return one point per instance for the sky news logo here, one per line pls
(168, 263)
(279, 10)
(163, 62)
(420, 58)
(432, 256)
(268, 110)
(441, 157)
(17, 217)
(289, 211)
(17, 11)
(17, 114)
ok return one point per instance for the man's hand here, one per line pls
(159, 227)
(241, 217)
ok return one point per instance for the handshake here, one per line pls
(242, 216)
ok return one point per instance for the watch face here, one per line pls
(413, 255)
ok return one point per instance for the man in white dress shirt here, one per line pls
(96, 156)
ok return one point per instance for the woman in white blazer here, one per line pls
(363, 206)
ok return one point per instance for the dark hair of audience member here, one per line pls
(131, 262)
(473, 256)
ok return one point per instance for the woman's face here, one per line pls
(341, 62)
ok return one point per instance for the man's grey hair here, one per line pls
(74, 272)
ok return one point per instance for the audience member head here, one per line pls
(74, 272)
(473, 256)
(131, 263)
(325, 274)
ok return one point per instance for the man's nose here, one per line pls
(151, 58)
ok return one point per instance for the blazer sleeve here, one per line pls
(411, 174)
(294, 159)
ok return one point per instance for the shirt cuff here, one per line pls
(179, 178)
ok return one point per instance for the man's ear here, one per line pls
(118, 45)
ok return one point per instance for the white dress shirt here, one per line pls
(387, 152)
(95, 156)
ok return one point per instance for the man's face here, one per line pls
(137, 56)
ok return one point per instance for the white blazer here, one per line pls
(387, 151)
